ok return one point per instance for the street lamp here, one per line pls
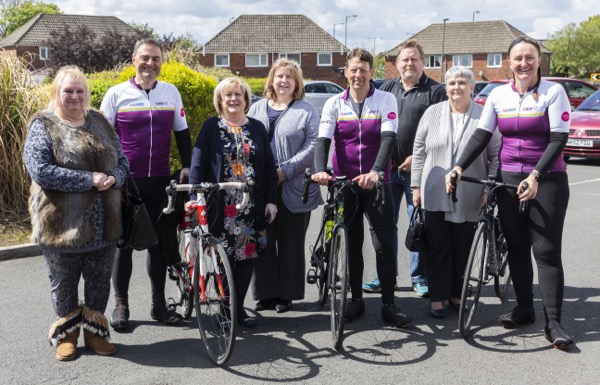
(443, 59)
(334, 28)
(374, 39)
(474, 15)
(346, 30)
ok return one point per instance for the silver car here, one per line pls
(318, 91)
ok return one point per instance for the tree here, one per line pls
(576, 49)
(15, 13)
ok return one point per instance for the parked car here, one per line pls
(254, 98)
(318, 91)
(577, 90)
(584, 134)
(479, 85)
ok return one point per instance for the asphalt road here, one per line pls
(295, 347)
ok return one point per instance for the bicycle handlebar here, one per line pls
(341, 181)
(208, 187)
(490, 183)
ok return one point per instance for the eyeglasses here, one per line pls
(524, 39)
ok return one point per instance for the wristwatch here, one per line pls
(538, 176)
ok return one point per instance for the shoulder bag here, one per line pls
(415, 236)
(138, 232)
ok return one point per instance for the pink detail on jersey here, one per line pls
(182, 112)
(392, 115)
(565, 116)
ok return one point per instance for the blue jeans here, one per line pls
(400, 181)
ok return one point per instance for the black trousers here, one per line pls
(539, 230)
(448, 246)
(381, 226)
(152, 191)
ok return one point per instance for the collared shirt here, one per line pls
(412, 103)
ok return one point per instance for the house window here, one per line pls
(291, 56)
(222, 60)
(256, 60)
(433, 61)
(462, 60)
(45, 53)
(324, 59)
(494, 60)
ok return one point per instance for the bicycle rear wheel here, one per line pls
(215, 300)
(338, 276)
(473, 280)
(502, 280)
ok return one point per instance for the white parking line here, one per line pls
(584, 182)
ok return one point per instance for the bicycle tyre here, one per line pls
(472, 280)
(215, 301)
(186, 298)
(502, 280)
(322, 279)
(337, 282)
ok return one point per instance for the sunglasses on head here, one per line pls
(523, 39)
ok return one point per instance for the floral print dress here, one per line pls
(239, 236)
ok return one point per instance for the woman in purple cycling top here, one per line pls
(533, 115)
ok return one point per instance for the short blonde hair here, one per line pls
(296, 72)
(228, 84)
(62, 75)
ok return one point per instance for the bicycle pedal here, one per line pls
(172, 275)
(311, 276)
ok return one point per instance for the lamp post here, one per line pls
(374, 39)
(346, 30)
(334, 28)
(474, 15)
(443, 58)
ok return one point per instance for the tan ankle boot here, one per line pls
(64, 333)
(97, 344)
(95, 332)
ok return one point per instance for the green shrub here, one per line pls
(257, 85)
(20, 98)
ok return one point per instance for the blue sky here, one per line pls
(380, 23)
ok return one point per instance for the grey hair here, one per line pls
(460, 72)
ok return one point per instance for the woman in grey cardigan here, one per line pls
(443, 132)
(292, 125)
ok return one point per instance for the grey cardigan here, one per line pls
(434, 155)
(295, 137)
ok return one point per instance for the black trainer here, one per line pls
(162, 314)
(520, 316)
(120, 317)
(390, 313)
(354, 309)
(557, 336)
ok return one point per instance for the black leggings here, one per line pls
(381, 225)
(541, 230)
(152, 190)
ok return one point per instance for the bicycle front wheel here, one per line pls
(502, 280)
(215, 300)
(473, 280)
(337, 282)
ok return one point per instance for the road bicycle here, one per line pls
(211, 289)
(329, 253)
(488, 255)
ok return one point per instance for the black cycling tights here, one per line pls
(152, 190)
(539, 230)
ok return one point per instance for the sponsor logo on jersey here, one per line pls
(565, 116)
(137, 104)
(162, 103)
(182, 112)
(392, 115)
(509, 110)
(349, 113)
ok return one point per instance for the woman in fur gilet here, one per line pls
(77, 168)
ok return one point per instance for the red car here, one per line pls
(577, 90)
(584, 134)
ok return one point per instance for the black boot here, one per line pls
(556, 335)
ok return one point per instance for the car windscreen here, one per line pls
(592, 103)
(485, 92)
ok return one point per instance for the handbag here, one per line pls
(415, 235)
(138, 231)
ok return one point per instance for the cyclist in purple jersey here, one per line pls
(144, 111)
(533, 116)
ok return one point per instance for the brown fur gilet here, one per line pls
(64, 219)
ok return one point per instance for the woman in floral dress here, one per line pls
(232, 148)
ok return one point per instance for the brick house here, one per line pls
(480, 46)
(28, 40)
(251, 43)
